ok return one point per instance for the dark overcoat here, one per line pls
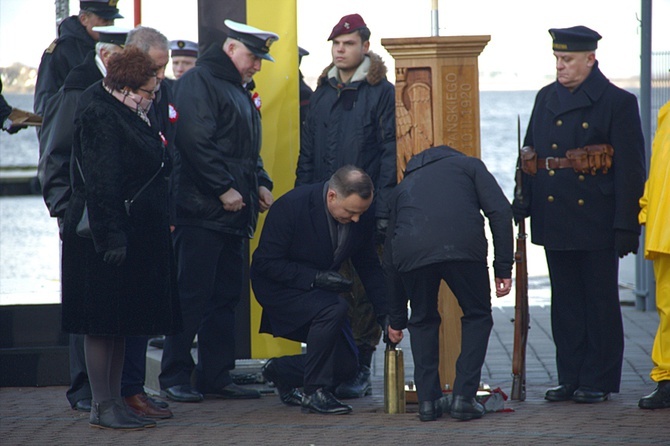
(64, 53)
(294, 245)
(351, 124)
(5, 108)
(118, 153)
(53, 169)
(218, 143)
(572, 211)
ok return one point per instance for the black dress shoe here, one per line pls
(183, 393)
(560, 393)
(463, 408)
(430, 410)
(658, 399)
(83, 405)
(159, 403)
(357, 387)
(287, 394)
(158, 342)
(233, 392)
(589, 395)
(322, 401)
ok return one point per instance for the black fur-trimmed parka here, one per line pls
(354, 124)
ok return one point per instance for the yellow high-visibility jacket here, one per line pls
(655, 203)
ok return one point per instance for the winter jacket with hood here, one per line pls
(354, 124)
(218, 143)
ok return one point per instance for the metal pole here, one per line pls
(138, 12)
(644, 276)
(62, 11)
(434, 21)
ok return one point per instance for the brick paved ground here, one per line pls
(41, 416)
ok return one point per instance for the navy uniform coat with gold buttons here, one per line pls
(572, 211)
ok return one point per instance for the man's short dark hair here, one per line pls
(364, 33)
(349, 180)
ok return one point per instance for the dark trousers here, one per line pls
(469, 281)
(210, 271)
(331, 357)
(134, 366)
(80, 388)
(586, 318)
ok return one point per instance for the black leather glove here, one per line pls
(332, 281)
(520, 212)
(380, 231)
(15, 128)
(115, 256)
(385, 320)
(626, 242)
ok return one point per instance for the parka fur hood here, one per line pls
(376, 73)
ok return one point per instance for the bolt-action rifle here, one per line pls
(521, 316)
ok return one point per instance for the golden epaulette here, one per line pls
(50, 49)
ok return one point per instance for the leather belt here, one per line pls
(553, 163)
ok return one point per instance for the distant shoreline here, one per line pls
(20, 79)
(484, 85)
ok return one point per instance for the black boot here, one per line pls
(357, 387)
(658, 399)
(463, 408)
(430, 410)
(562, 392)
(109, 415)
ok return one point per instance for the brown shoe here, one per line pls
(142, 405)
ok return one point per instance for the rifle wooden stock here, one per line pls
(521, 317)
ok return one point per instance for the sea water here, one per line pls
(29, 242)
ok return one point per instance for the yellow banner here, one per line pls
(277, 85)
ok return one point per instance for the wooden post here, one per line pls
(437, 103)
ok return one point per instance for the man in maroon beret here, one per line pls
(351, 120)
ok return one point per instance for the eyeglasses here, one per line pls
(151, 93)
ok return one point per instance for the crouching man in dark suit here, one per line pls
(307, 235)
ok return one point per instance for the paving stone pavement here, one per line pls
(41, 416)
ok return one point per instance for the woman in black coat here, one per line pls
(119, 281)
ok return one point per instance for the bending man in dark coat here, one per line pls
(429, 241)
(586, 218)
(307, 235)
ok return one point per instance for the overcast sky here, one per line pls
(520, 46)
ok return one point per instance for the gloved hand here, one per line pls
(115, 256)
(385, 320)
(520, 212)
(15, 128)
(332, 281)
(380, 231)
(625, 242)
